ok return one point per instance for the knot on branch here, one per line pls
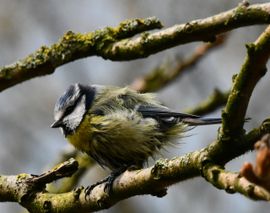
(160, 167)
(132, 27)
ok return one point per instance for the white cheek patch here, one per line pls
(75, 117)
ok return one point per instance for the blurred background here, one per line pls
(29, 145)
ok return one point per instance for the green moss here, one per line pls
(132, 27)
(239, 12)
(22, 176)
(6, 73)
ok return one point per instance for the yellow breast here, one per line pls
(82, 137)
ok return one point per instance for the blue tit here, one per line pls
(119, 127)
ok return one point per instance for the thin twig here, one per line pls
(216, 100)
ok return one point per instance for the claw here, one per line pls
(89, 189)
(108, 182)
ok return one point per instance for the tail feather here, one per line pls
(201, 121)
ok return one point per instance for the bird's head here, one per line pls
(71, 107)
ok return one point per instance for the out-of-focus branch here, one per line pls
(117, 44)
(214, 101)
(259, 173)
(163, 75)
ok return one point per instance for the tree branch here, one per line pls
(29, 190)
(233, 182)
(116, 44)
(21, 187)
(214, 101)
(68, 184)
(253, 69)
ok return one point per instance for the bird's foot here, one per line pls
(108, 182)
(89, 189)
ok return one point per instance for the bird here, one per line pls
(119, 127)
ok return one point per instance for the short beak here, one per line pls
(56, 124)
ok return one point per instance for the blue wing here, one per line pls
(168, 118)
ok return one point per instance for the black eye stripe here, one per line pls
(70, 108)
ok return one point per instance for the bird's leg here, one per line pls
(111, 178)
(88, 189)
(108, 181)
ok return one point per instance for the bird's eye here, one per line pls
(69, 110)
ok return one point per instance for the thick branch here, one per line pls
(146, 181)
(197, 30)
(116, 44)
(29, 190)
(69, 48)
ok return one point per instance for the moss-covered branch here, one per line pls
(117, 44)
(244, 83)
(71, 47)
(146, 181)
(197, 30)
